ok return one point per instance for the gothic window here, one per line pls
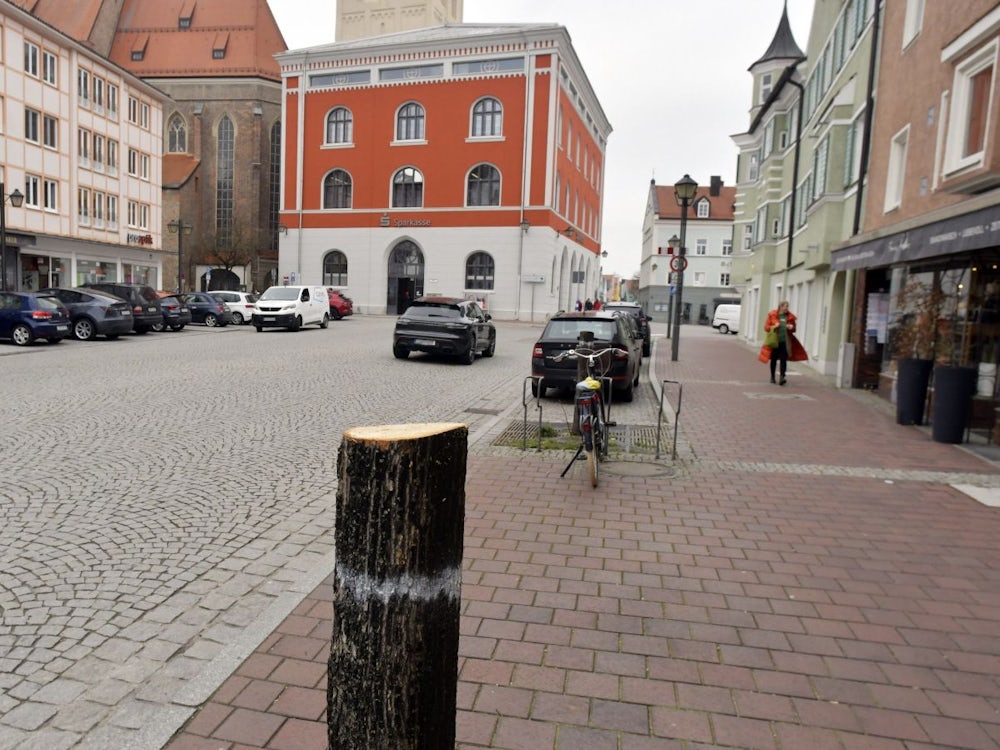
(225, 164)
(484, 186)
(176, 135)
(408, 188)
(337, 189)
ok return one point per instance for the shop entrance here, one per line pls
(405, 277)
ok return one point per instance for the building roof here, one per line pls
(197, 39)
(722, 205)
(75, 19)
(177, 169)
(783, 46)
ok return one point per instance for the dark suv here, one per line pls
(146, 310)
(445, 325)
(563, 331)
(638, 314)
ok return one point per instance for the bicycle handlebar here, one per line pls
(594, 354)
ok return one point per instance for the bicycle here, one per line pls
(591, 416)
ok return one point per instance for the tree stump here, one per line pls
(393, 670)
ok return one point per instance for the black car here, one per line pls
(445, 325)
(642, 320)
(144, 300)
(176, 314)
(26, 316)
(207, 309)
(563, 331)
(93, 313)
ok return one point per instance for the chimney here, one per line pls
(716, 186)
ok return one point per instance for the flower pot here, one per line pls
(912, 378)
(954, 387)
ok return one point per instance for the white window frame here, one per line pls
(83, 206)
(32, 125)
(50, 127)
(50, 195)
(31, 191)
(701, 247)
(144, 167)
(961, 100)
(133, 162)
(112, 157)
(143, 216)
(896, 174)
(83, 86)
(112, 211)
(913, 23)
(703, 208)
(98, 208)
(97, 153)
(132, 216)
(727, 246)
(50, 68)
(31, 52)
(112, 100)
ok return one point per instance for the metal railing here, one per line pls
(677, 414)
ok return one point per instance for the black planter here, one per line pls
(912, 378)
(954, 388)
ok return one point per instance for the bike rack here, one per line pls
(677, 414)
(538, 405)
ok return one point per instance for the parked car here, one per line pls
(340, 304)
(240, 304)
(93, 313)
(207, 309)
(145, 303)
(445, 325)
(291, 307)
(727, 319)
(563, 331)
(26, 316)
(642, 320)
(176, 314)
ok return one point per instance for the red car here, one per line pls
(340, 304)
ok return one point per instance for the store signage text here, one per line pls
(140, 239)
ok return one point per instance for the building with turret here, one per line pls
(358, 19)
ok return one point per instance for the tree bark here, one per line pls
(393, 670)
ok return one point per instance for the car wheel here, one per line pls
(176, 328)
(535, 389)
(296, 324)
(400, 352)
(723, 328)
(645, 348)
(629, 393)
(326, 320)
(468, 357)
(259, 328)
(211, 321)
(83, 329)
(492, 348)
(22, 335)
(238, 319)
(157, 327)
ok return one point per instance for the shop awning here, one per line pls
(959, 234)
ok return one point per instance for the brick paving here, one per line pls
(806, 576)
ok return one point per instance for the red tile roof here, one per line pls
(244, 30)
(722, 205)
(74, 19)
(177, 169)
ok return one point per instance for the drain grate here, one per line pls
(624, 438)
(633, 438)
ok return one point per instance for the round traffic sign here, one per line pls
(677, 263)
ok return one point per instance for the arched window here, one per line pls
(410, 122)
(703, 208)
(176, 135)
(479, 271)
(340, 126)
(487, 118)
(225, 163)
(335, 269)
(337, 189)
(408, 188)
(483, 188)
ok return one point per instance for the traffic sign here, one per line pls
(678, 263)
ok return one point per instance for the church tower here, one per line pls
(357, 19)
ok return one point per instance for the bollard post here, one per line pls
(393, 669)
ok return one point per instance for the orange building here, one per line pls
(462, 159)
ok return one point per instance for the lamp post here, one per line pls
(180, 228)
(16, 199)
(673, 243)
(684, 190)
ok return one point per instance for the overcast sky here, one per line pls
(671, 75)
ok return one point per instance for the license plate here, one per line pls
(62, 328)
(268, 320)
(151, 309)
(425, 342)
(184, 309)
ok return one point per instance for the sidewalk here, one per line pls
(804, 575)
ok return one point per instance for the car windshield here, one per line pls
(48, 303)
(423, 312)
(281, 293)
(148, 294)
(569, 330)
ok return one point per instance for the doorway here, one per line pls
(405, 276)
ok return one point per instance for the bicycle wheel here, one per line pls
(593, 464)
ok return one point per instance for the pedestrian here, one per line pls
(780, 343)
(579, 305)
(588, 305)
(597, 303)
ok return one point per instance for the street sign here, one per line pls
(678, 263)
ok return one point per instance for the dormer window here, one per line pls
(139, 48)
(186, 14)
(219, 46)
(184, 23)
(702, 207)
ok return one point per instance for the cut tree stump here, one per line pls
(393, 670)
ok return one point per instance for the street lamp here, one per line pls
(16, 199)
(180, 228)
(684, 190)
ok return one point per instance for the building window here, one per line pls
(133, 110)
(723, 279)
(408, 188)
(83, 87)
(701, 247)
(144, 116)
(97, 155)
(820, 159)
(225, 165)
(274, 184)
(112, 157)
(31, 59)
(483, 186)
(176, 135)
(31, 185)
(112, 212)
(143, 216)
(50, 195)
(112, 100)
(487, 118)
(144, 166)
(31, 118)
(98, 206)
(50, 131)
(852, 164)
(752, 167)
(702, 208)
(50, 68)
(967, 133)
(133, 162)
(727, 247)
(913, 23)
(337, 189)
(410, 122)
(747, 236)
(335, 269)
(132, 219)
(340, 126)
(97, 93)
(479, 271)
(83, 206)
(765, 87)
(897, 169)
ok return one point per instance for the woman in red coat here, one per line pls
(783, 345)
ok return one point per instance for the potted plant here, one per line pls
(918, 305)
(954, 379)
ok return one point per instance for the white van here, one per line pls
(727, 319)
(291, 307)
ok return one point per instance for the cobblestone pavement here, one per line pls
(165, 500)
(804, 574)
